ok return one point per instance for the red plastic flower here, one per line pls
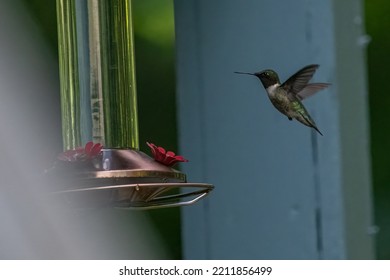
(167, 158)
(89, 151)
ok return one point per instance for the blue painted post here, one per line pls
(282, 190)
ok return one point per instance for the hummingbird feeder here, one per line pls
(99, 105)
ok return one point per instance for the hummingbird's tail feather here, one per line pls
(310, 123)
(317, 130)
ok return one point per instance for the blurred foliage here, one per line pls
(155, 18)
(154, 50)
(378, 26)
(44, 13)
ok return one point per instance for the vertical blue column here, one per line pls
(282, 190)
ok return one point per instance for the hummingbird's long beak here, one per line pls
(245, 73)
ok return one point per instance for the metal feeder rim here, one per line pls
(166, 205)
(205, 186)
(130, 173)
(156, 202)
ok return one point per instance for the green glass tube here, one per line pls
(97, 73)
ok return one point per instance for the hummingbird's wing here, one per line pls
(310, 90)
(299, 80)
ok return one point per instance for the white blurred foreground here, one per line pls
(31, 227)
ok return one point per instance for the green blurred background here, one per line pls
(378, 66)
(154, 44)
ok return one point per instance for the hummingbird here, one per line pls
(287, 97)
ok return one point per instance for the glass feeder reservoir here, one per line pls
(99, 105)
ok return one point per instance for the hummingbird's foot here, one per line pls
(290, 118)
